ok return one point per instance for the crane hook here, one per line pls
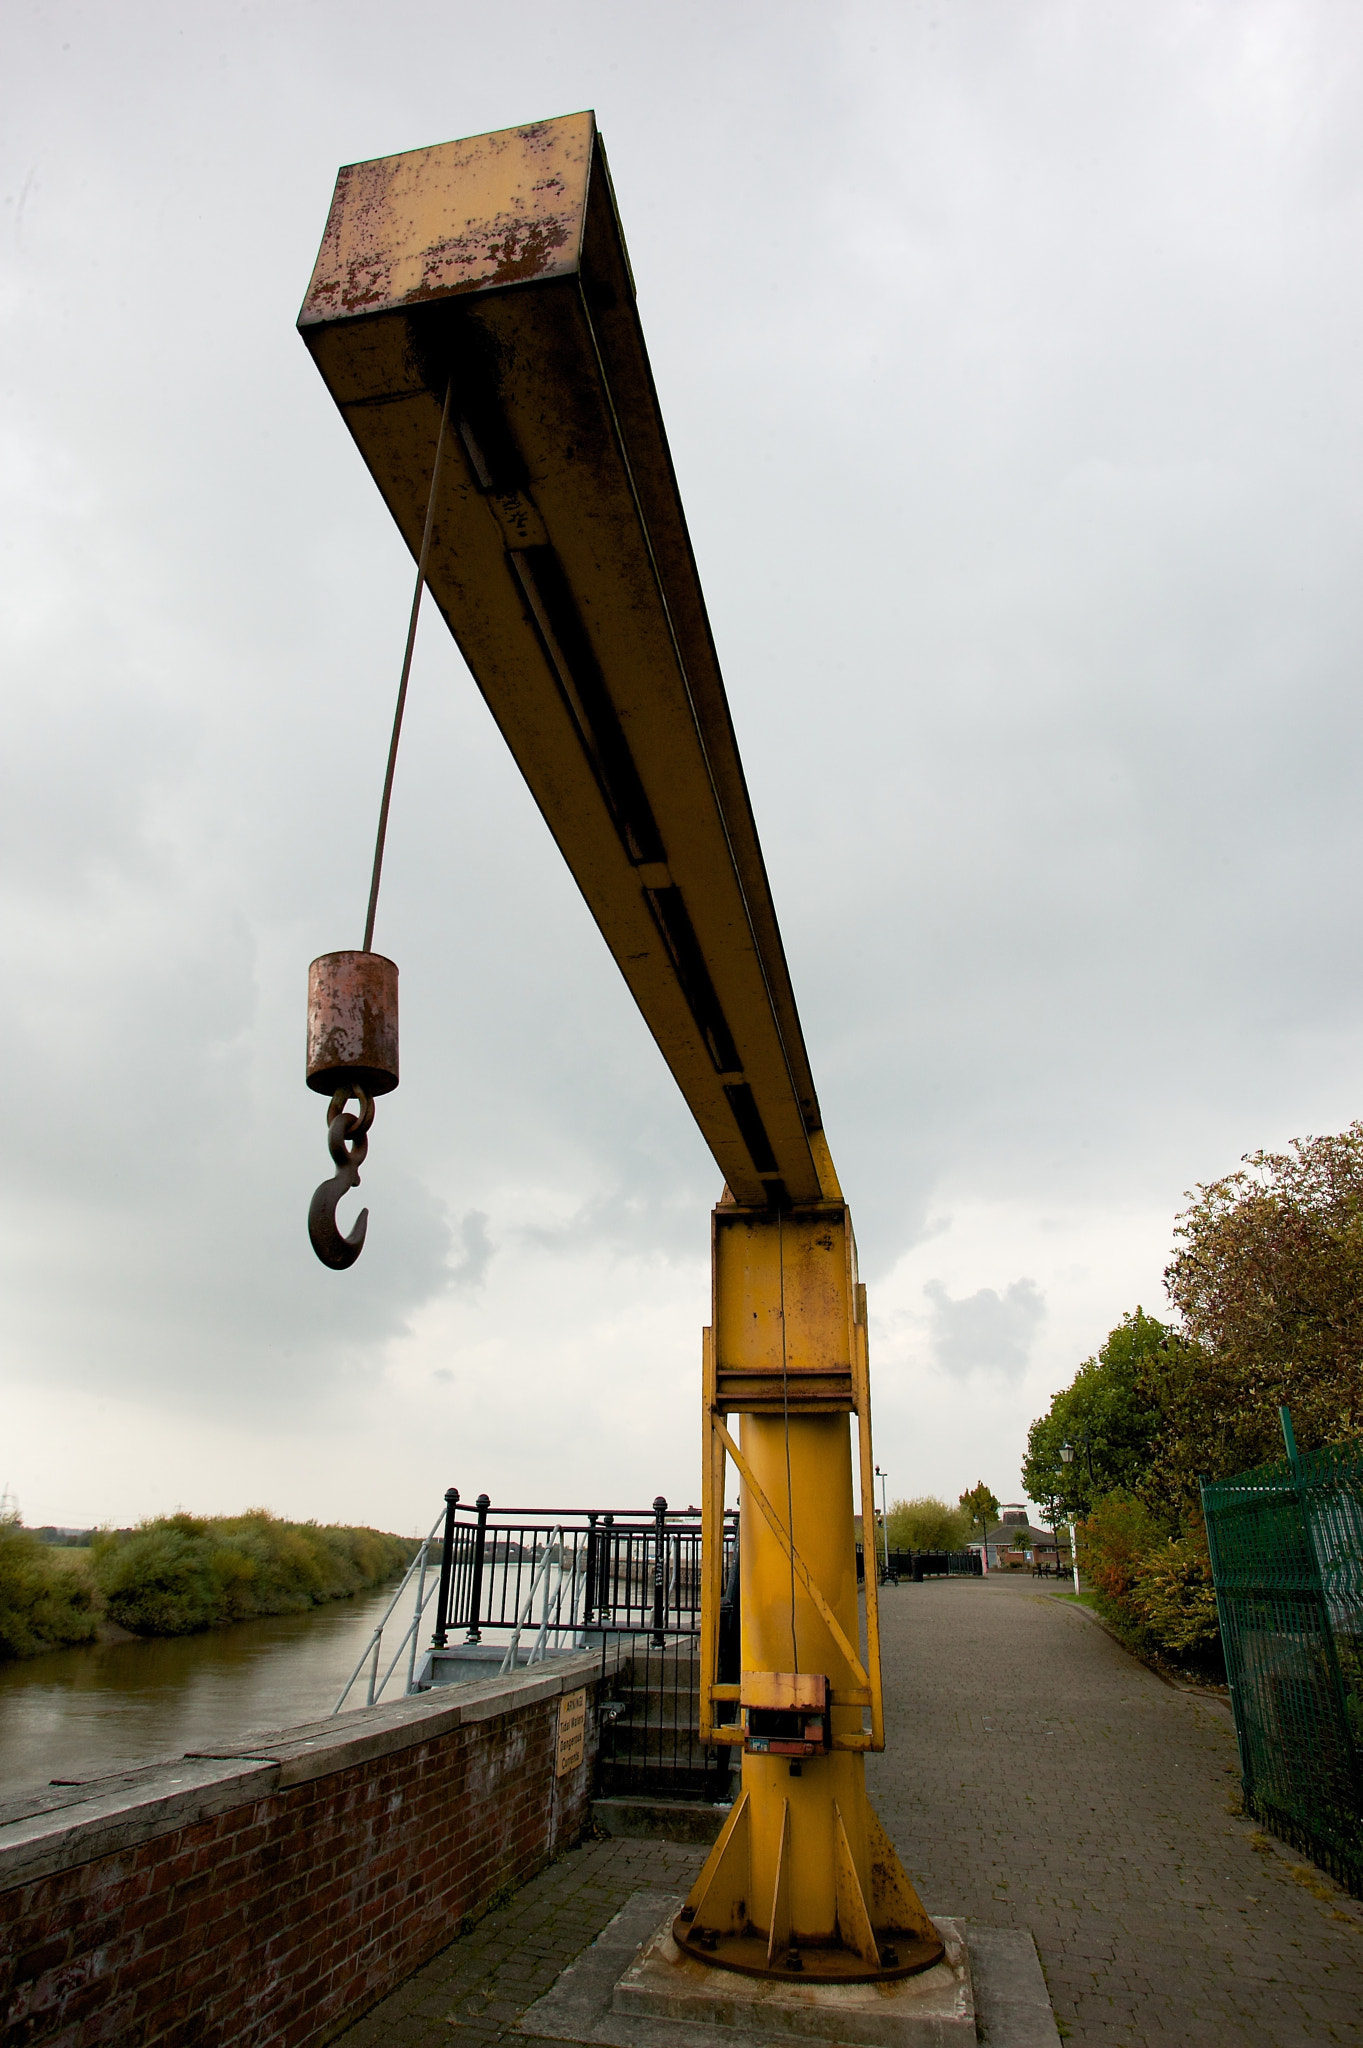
(348, 1145)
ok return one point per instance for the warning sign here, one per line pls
(572, 1731)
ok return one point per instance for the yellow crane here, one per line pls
(472, 313)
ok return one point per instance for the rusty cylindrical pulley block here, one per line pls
(352, 1052)
(353, 1023)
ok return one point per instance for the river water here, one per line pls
(82, 1713)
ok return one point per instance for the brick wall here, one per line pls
(271, 1894)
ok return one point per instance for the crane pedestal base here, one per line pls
(934, 2006)
(904, 1954)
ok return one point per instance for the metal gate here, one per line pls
(1286, 1545)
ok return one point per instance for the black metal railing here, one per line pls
(540, 1582)
(614, 1570)
(922, 1564)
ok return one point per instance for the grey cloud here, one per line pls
(476, 1251)
(985, 1332)
(635, 1216)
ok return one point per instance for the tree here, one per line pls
(1268, 1278)
(1109, 1414)
(926, 1524)
(982, 1507)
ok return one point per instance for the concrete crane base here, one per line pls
(633, 1989)
(936, 2006)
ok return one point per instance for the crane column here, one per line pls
(803, 1880)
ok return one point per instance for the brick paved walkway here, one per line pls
(1037, 1777)
(477, 1988)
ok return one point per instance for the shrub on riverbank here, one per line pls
(177, 1574)
(44, 1604)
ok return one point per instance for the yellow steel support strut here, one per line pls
(494, 269)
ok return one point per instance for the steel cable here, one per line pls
(406, 672)
(785, 1413)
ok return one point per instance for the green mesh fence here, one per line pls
(1287, 1556)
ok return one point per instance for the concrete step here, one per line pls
(665, 1820)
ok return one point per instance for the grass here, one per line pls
(68, 1557)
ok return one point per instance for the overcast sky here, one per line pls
(1010, 356)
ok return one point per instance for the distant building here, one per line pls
(1015, 1536)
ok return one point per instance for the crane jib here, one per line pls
(559, 557)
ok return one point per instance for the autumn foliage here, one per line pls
(1268, 1280)
(1267, 1283)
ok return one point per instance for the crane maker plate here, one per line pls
(561, 563)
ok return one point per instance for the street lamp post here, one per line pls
(1067, 1458)
(884, 1522)
(1085, 1444)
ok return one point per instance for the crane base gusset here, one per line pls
(881, 1936)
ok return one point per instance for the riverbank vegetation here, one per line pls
(45, 1603)
(1266, 1282)
(176, 1574)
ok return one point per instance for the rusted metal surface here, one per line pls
(486, 211)
(785, 1310)
(561, 562)
(735, 1919)
(806, 1962)
(785, 1691)
(353, 1023)
(348, 1143)
(352, 1051)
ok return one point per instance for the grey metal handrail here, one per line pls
(373, 1648)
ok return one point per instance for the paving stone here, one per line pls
(1166, 1925)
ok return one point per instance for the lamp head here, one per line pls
(1067, 1454)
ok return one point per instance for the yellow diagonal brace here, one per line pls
(801, 1569)
(861, 1382)
(711, 1546)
